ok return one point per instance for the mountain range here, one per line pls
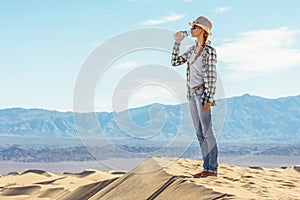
(244, 118)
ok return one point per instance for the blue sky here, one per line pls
(44, 44)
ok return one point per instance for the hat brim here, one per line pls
(203, 27)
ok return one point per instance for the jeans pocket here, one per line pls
(198, 94)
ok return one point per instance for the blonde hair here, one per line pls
(205, 39)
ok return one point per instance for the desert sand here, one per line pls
(155, 178)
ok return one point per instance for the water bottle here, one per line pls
(185, 33)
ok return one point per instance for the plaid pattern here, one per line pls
(209, 64)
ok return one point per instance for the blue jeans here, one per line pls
(203, 125)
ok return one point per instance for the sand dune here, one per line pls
(155, 178)
(37, 171)
(38, 184)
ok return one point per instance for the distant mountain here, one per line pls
(36, 122)
(255, 118)
(248, 118)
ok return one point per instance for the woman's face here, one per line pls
(196, 31)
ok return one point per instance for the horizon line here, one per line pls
(139, 106)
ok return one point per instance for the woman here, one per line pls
(201, 61)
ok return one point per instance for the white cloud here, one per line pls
(164, 19)
(222, 9)
(260, 51)
(127, 64)
(152, 94)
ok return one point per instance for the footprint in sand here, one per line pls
(231, 179)
(247, 176)
(288, 184)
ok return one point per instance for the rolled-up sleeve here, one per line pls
(211, 76)
(176, 58)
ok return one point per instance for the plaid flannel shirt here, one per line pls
(209, 64)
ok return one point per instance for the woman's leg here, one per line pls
(199, 132)
(209, 147)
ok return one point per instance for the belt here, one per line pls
(196, 88)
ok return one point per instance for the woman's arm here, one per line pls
(176, 59)
(211, 76)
